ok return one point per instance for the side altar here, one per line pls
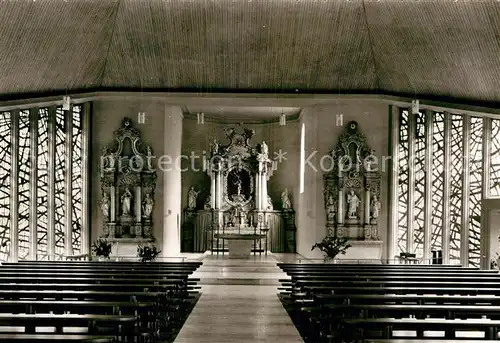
(238, 215)
(352, 195)
(128, 183)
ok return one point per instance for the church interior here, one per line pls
(190, 171)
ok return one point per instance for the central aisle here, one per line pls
(239, 304)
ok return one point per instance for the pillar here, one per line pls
(138, 204)
(258, 190)
(112, 214)
(264, 191)
(170, 166)
(341, 213)
(367, 207)
(212, 189)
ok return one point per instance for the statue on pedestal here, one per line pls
(192, 196)
(269, 205)
(147, 206)
(285, 200)
(264, 150)
(353, 201)
(126, 202)
(105, 205)
(331, 208)
(375, 208)
(208, 203)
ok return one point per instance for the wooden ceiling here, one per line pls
(445, 49)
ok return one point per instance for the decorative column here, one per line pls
(367, 206)
(138, 198)
(258, 186)
(341, 213)
(263, 192)
(112, 212)
(218, 188)
(172, 192)
(212, 189)
(51, 212)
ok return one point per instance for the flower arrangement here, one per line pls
(147, 253)
(331, 246)
(101, 248)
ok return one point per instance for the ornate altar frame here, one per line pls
(354, 170)
(126, 164)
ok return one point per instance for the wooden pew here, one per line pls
(364, 328)
(54, 338)
(90, 290)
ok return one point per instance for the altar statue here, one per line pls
(331, 208)
(147, 206)
(353, 201)
(215, 148)
(269, 206)
(285, 200)
(264, 150)
(105, 203)
(375, 207)
(208, 203)
(126, 202)
(192, 196)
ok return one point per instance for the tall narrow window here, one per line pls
(475, 189)
(77, 179)
(302, 157)
(5, 175)
(495, 159)
(464, 180)
(48, 183)
(403, 172)
(24, 180)
(456, 186)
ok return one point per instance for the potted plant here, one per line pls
(147, 253)
(331, 246)
(101, 248)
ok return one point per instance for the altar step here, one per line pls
(258, 270)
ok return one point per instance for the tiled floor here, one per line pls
(239, 309)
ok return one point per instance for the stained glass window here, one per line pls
(403, 182)
(419, 193)
(5, 175)
(437, 187)
(475, 189)
(23, 181)
(42, 181)
(35, 183)
(59, 181)
(495, 159)
(454, 178)
(77, 179)
(456, 186)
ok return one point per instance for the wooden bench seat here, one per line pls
(404, 290)
(324, 299)
(54, 338)
(417, 311)
(429, 340)
(389, 325)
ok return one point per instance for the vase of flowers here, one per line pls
(102, 249)
(332, 246)
(147, 253)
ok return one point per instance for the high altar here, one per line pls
(128, 182)
(238, 214)
(352, 195)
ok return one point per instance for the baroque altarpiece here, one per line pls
(128, 183)
(352, 190)
(238, 201)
